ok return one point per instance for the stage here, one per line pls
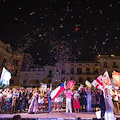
(54, 116)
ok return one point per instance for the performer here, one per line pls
(116, 104)
(33, 108)
(49, 100)
(8, 99)
(68, 100)
(1, 100)
(76, 105)
(109, 114)
(13, 104)
(83, 99)
(40, 101)
(102, 103)
(93, 100)
(89, 108)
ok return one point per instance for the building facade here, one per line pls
(18, 63)
(109, 62)
(32, 77)
(5, 55)
(25, 73)
(78, 71)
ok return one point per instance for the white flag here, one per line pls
(43, 86)
(5, 77)
(98, 83)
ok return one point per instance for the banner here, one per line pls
(5, 77)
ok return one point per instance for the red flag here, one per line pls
(70, 84)
(116, 77)
(106, 78)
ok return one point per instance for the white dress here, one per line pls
(89, 108)
(109, 114)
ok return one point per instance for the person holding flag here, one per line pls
(109, 114)
(49, 99)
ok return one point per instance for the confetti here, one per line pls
(81, 28)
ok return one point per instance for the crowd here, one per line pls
(34, 101)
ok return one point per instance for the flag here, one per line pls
(106, 78)
(5, 77)
(88, 84)
(116, 77)
(43, 86)
(98, 83)
(57, 91)
(70, 84)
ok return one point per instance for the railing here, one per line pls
(82, 74)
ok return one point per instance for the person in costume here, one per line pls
(76, 103)
(68, 100)
(33, 108)
(49, 100)
(83, 99)
(89, 108)
(109, 114)
(102, 103)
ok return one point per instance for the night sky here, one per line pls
(79, 29)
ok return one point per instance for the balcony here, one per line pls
(83, 73)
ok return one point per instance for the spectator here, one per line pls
(16, 117)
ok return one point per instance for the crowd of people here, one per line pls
(34, 101)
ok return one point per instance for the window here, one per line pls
(15, 62)
(105, 64)
(79, 70)
(88, 70)
(25, 81)
(4, 62)
(80, 79)
(115, 65)
(72, 70)
(95, 70)
(14, 72)
(50, 73)
(11, 82)
(37, 81)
